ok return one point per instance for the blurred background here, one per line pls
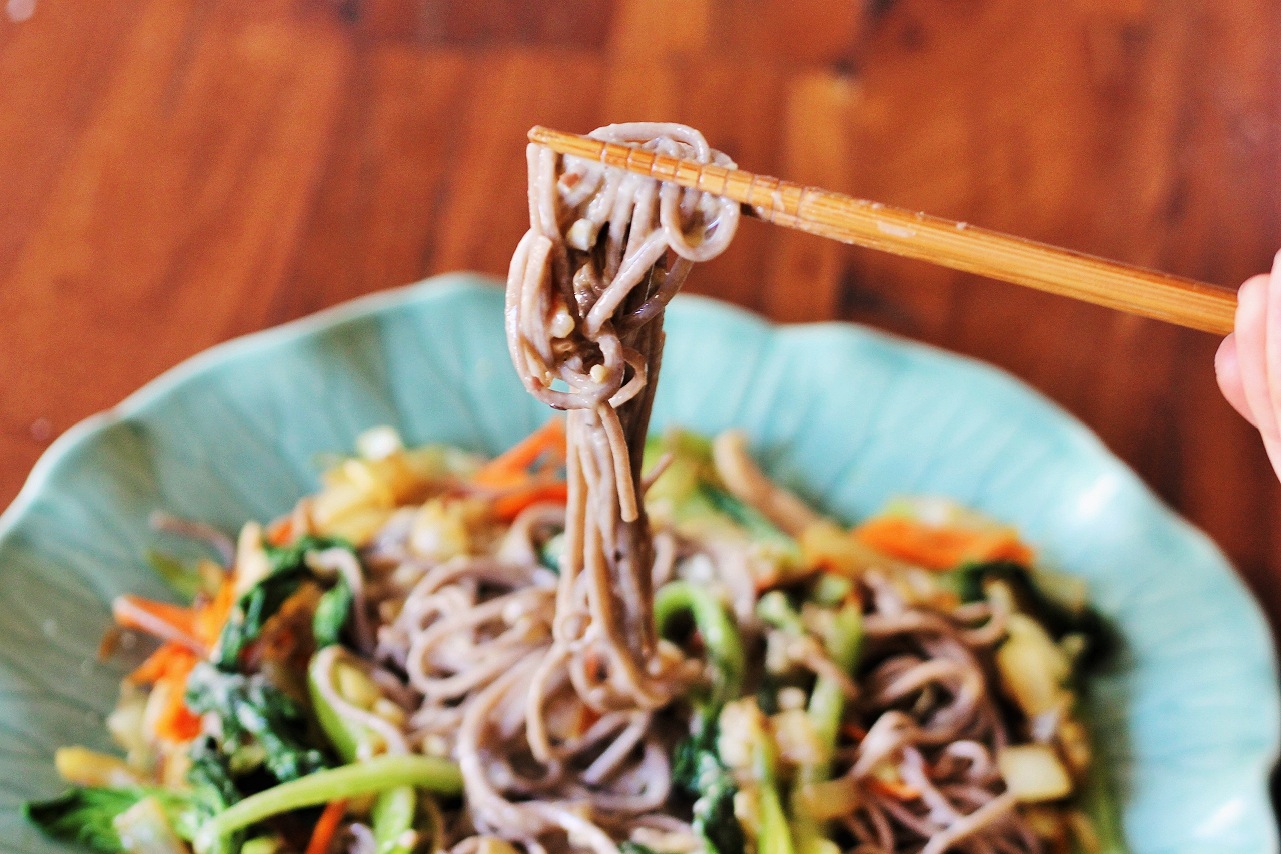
(177, 172)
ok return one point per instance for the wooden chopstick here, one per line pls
(1149, 293)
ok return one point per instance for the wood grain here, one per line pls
(956, 245)
(176, 172)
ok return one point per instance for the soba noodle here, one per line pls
(605, 252)
(588, 286)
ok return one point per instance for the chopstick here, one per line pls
(1137, 290)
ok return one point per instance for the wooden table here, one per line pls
(177, 172)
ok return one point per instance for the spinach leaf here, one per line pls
(284, 558)
(714, 818)
(697, 769)
(251, 613)
(288, 569)
(83, 815)
(212, 791)
(251, 709)
(741, 513)
(332, 612)
(209, 775)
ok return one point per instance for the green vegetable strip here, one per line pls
(393, 814)
(376, 775)
(774, 836)
(394, 809)
(827, 705)
(346, 736)
(1097, 799)
(717, 628)
(827, 702)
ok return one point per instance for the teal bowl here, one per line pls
(847, 416)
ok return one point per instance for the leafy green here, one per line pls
(689, 754)
(209, 776)
(212, 791)
(1097, 798)
(751, 520)
(696, 766)
(83, 815)
(332, 613)
(293, 555)
(287, 571)
(250, 708)
(1100, 637)
(251, 613)
(697, 769)
(715, 821)
(183, 578)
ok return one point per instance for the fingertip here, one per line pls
(1252, 298)
(1254, 286)
(1225, 358)
(1227, 370)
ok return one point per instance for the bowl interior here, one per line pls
(849, 417)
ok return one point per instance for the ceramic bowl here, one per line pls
(849, 417)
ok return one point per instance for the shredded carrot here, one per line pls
(176, 722)
(281, 532)
(189, 634)
(168, 668)
(548, 439)
(156, 665)
(940, 547)
(509, 506)
(212, 616)
(326, 827)
(893, 788)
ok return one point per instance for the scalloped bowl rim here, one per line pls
(153, 392)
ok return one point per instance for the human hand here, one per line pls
(1248, 364)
